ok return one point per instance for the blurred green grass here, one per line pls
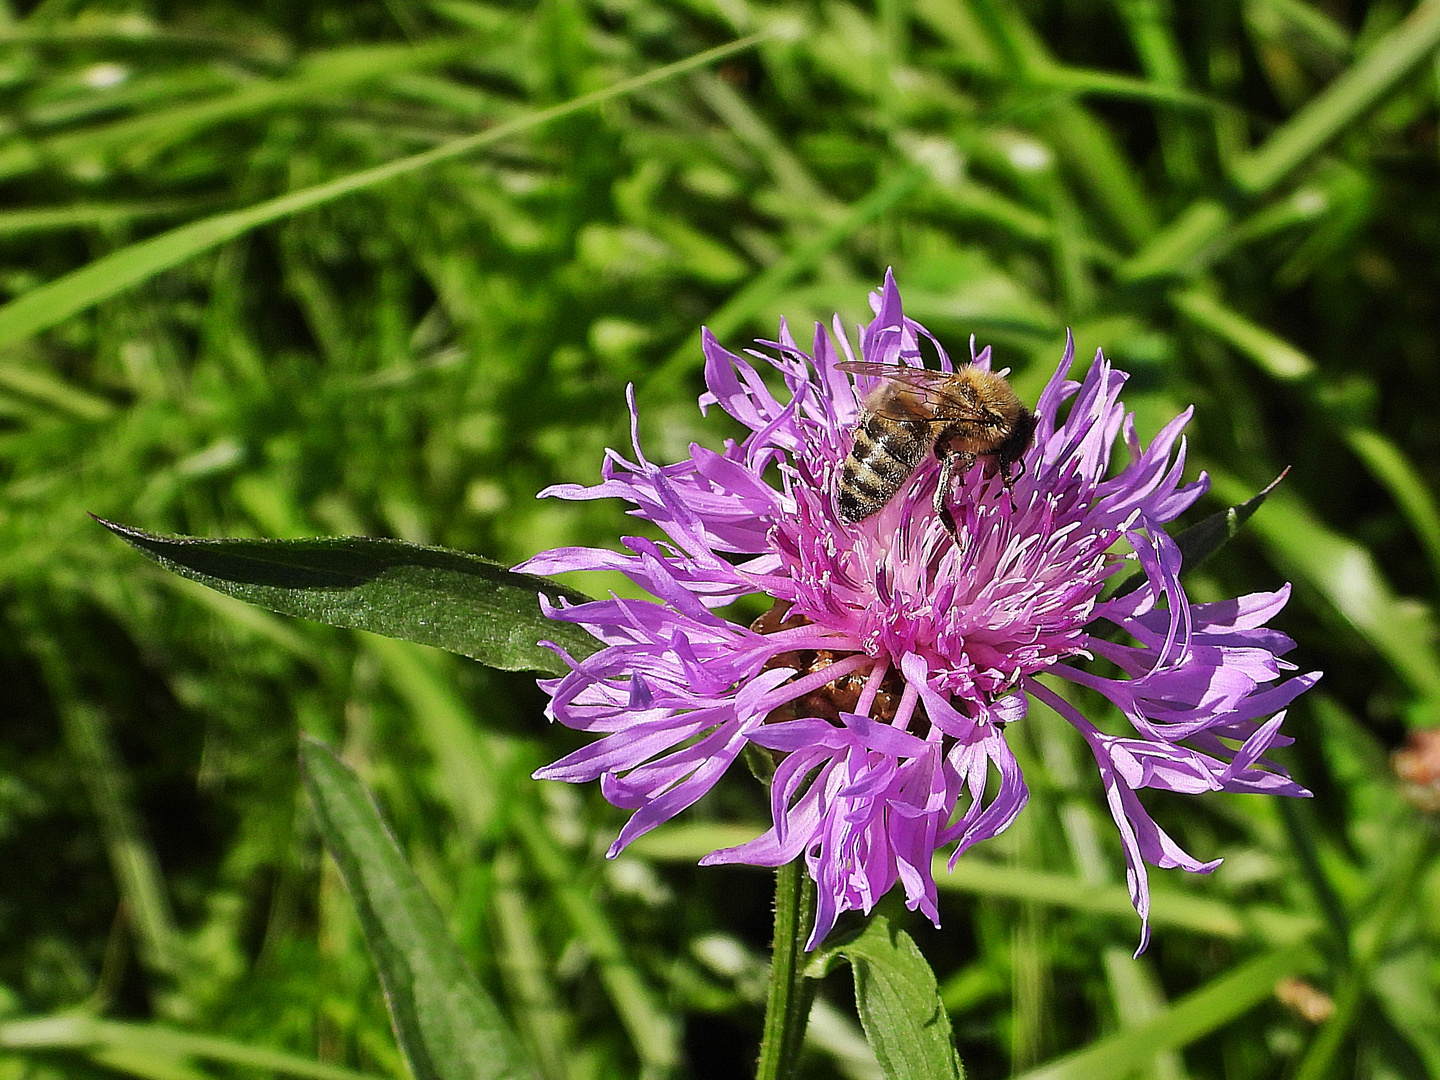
(1237, 200)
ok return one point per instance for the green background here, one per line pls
(1239, 201)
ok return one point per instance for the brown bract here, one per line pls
(830, 700)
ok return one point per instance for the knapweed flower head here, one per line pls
(895, 655)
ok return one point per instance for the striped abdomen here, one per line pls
(885, 453)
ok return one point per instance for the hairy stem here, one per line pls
(791, 994)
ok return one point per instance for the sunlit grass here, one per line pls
(218, 320)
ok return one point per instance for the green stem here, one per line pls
(791, 994)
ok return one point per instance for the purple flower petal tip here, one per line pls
(900, 647)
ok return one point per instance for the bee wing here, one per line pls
(935, 388)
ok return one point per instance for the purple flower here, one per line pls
(894, 657)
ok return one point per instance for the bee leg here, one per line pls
(1009, 481)
(950, 463)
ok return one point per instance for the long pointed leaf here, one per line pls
(1205, 537)
(445, 1024)
(433, 596)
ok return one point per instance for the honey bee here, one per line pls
(960, 415)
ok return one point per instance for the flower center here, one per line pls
(830, 700)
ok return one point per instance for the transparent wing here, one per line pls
(934, 388)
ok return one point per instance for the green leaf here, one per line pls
(899, 1004)
(447, 1028)
(473, 776)
(1204, 538)
(433, 596)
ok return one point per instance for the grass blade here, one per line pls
(1276, 357)
(979, 877)
(84, 215)
(1189, 241)
(320, 73)
(90, 743)
(469, 759)
(155, 1043)
(1192, 1017)
(1343, 101)
(1390, 465)
(48, 304)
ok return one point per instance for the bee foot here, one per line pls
(948, 520)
